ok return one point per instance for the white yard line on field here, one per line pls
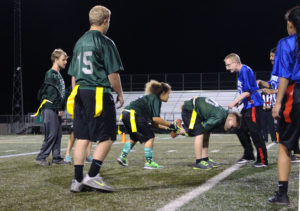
(31, 153)
(179, 202)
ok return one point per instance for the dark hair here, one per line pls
(294, 18)
(273, 50)
(286, 15)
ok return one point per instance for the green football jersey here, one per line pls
(212, 115)
(147, 106)
(55, 90)
(95, 56)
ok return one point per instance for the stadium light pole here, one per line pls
(17, 118)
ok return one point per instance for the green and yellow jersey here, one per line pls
(95, 56)
(147, 106)
(54, 91)
(211, 114)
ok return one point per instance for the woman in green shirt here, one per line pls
(138, 117)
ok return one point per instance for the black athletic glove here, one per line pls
(172, 127)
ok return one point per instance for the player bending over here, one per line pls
(200, 116)
(136, 118)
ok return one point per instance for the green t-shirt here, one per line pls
(211, 114)
(147, 106)
(54, 90)
(95, 56)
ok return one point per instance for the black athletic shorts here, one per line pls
(144, 131)
(186, 117)
(86, 126)
(289, 123)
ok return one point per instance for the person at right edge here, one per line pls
(287, 106)
(94, 67)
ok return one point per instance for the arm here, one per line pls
(270, 91)
(262, 83)
(283, 84)
(161, 123)
(115, 81)
(238, 99)
(73, 82)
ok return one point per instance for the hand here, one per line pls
(267, 91)
(276, 110)
(258, 82)
(60, 113)
(120, 100)
(231, 105)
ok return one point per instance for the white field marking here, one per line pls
(215, 150)
(172, 150)
(178, 137)
(10, 150)
(24, 154)
(33, 153)
(179, 202)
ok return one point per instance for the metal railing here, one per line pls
(136, 82)
(187, 81)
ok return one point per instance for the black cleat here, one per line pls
(279, 199)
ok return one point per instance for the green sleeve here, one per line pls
(212, 122)
(112, 60)
(71, 70)
(156, 108)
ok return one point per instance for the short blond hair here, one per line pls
(57, 53)
(98, 14)
(233, 57)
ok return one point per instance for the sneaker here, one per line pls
(89, 159)
(243, 161)
(59, 162)
(213, 163)
(42, 162)
(76, 187)
(295, 158)
(68, 159)
(96, 183)
(152, 165)
(203, 165)
(123, 161)
(279, 199)
(260, 165)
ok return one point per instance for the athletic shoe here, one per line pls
(213, 163)
(68, 159)
(43, 162)
(260, 165)
(96, 183)
(59, 161)
(152, 165)
(243, 161)
(295, 158)
(123, 161)
(88, 159)
(76, 187)
(279, 199)
(203, 165)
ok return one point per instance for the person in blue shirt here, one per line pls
(269, 90)
(252, 101)
(287, 106)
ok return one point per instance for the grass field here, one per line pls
(25, 185)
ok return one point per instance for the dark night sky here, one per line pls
(152, 36)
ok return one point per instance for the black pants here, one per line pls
(250, 127)
(267, 125)
(53, 134)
